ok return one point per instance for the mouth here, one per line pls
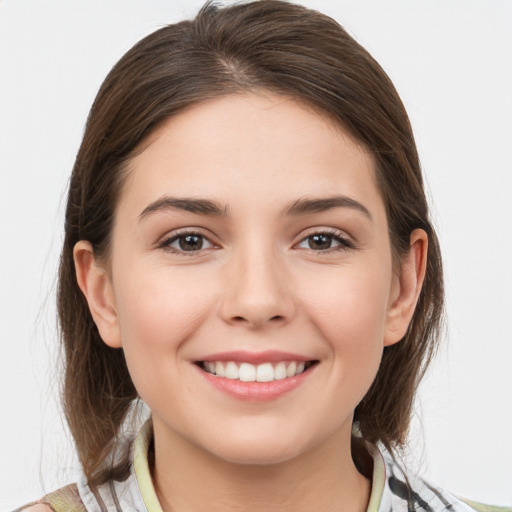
(248, 372)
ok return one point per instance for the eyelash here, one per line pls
(334, 235)
(166, 243)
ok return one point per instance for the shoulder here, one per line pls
(38, 507)
(481, 507)
(65, 499)
(403, 490)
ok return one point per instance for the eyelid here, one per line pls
(165, 241)
(345, 241)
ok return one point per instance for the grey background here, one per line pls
(451, 62)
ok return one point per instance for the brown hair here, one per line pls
(264, 45)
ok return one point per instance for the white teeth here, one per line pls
(292, 368)
(219, 369)
(247, 372)
(264, 373)
(231, 371)
(280, 371)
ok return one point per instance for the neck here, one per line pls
(325, 478)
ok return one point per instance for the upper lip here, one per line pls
(267, 356)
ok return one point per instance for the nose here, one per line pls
(258, 292)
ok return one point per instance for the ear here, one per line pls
(407, 288)
(96, 285)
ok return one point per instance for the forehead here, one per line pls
(262, 150)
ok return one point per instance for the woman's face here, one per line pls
(250, 283)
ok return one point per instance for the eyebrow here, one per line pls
(199, 206)
(207, 207)
(306, 205)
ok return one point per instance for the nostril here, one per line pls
(275, 318)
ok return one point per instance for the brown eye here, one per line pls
(186, 243)
(190, 242)
(320, 242)
(326, 241)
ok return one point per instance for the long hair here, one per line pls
(264, 45)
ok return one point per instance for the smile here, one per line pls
(247, 372)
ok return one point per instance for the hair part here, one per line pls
(267, 45)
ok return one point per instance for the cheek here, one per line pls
(350, 308)
(351, 319)
(158, 299)
(158, 311)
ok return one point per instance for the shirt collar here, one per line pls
(150, 499)
(141, 467)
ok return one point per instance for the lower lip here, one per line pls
(256, 391)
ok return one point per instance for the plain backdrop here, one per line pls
(450, 61)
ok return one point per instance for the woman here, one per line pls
(248, 249)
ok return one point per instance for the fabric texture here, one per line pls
(392, 490)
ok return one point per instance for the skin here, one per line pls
(256, 284)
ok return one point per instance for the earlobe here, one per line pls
(409, 283)
(96, 285)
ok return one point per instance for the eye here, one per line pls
(325, 241)
(188, 242)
